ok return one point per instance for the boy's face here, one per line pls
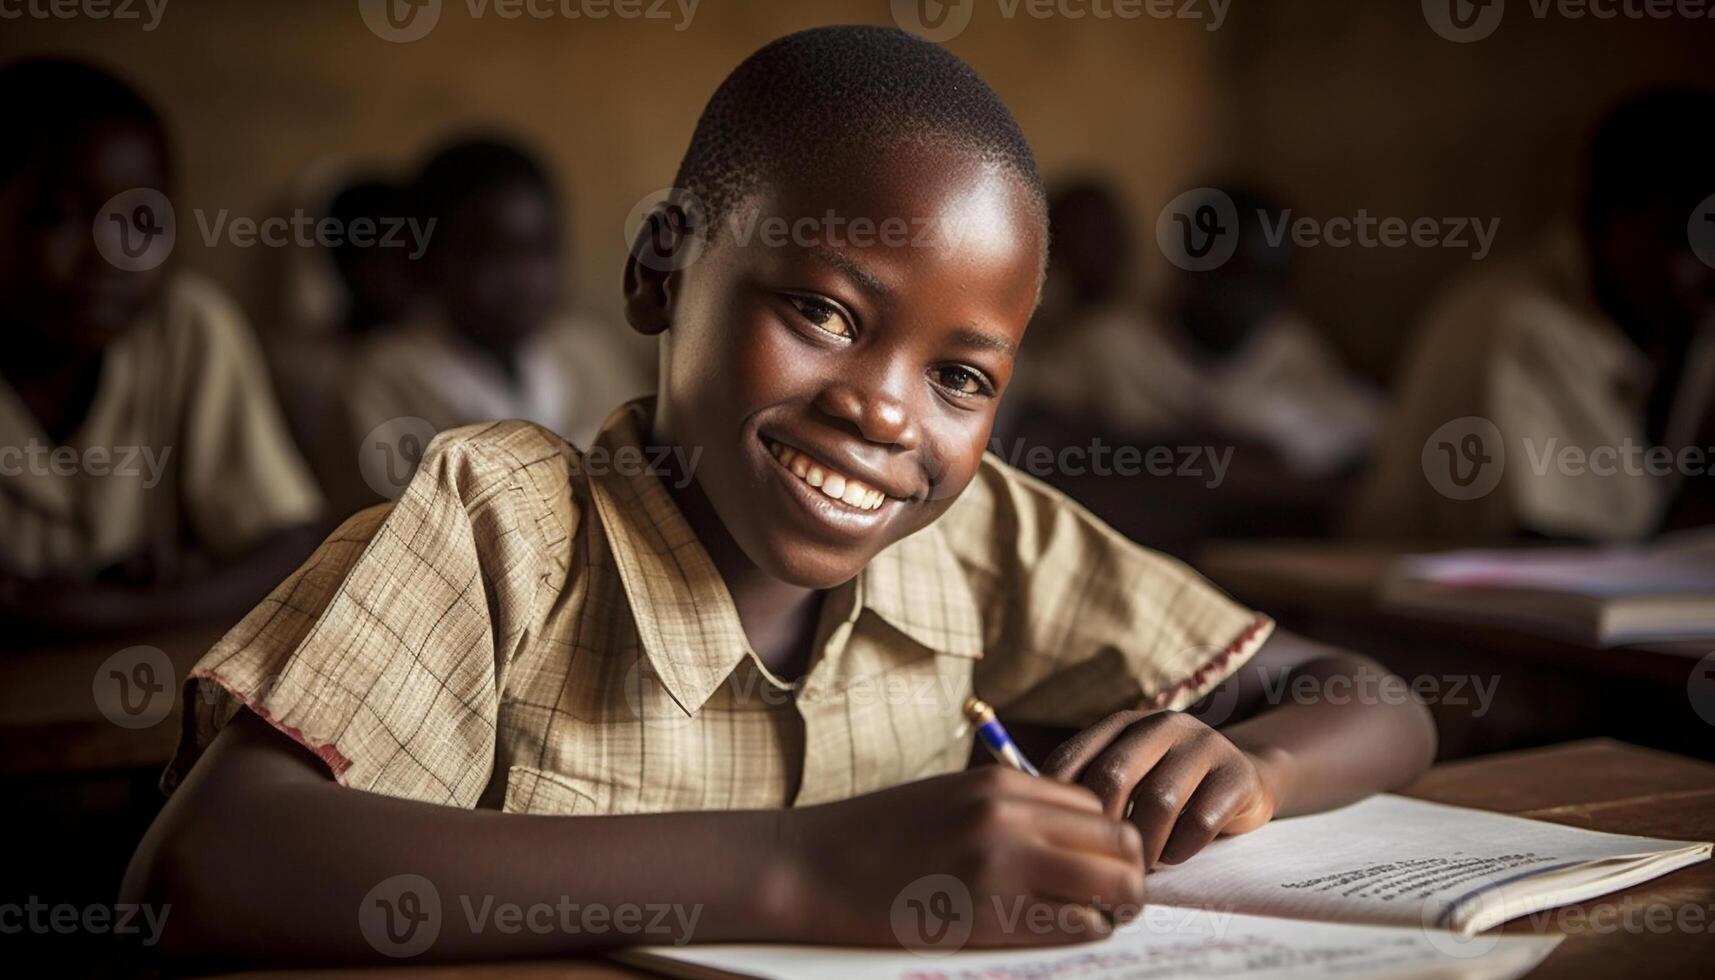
(861, 323)
(53, 281)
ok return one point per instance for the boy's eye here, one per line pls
(963, 381)
(824, 315)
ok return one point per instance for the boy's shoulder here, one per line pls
(513, 458)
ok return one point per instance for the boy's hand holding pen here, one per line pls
(1179, 781)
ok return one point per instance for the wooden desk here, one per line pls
(49, 719)
(1599, 785)
(1550, 689)
(1619, 788)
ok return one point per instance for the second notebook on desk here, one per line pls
(1600, 596)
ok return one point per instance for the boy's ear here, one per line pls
(666, 242)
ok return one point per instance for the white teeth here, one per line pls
(838, 486)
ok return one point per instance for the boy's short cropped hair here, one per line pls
(792, 106)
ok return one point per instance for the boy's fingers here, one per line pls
(1070, 758)
(1221, 797)
(1069, 795)
(1159, 798)
(1114, 774)
(1043, 922)
(1082, 878)
(1093, 833)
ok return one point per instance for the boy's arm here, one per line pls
(261, 857)
(1319, 728)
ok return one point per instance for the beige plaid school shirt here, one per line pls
(525, 629)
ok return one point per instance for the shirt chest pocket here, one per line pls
(538, 791)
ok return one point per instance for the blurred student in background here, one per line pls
(328, 300)
(493, 342)
(381, 287)
(1228, 361)
(1265, 372)
(145, 474)
(1095, 360)
(1552, 396)
(1229, 353)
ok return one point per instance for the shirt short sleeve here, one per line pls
(1079, 621)
(386, 653)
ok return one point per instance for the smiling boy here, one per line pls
(543, 682)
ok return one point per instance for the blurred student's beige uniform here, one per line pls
(1285, 387)
(1114, 368)
(183, 446)
(1524, 348)
(567, 378)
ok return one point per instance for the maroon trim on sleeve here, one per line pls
(336, 761)
(1242, 645)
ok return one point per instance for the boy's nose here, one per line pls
(878, 417)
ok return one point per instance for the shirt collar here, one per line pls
(686, 620)
(918, 587)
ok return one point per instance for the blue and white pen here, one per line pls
(994, 736)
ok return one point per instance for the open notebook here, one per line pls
(1390, 887)
(1602, 596)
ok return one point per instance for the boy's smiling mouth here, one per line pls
(832, 483)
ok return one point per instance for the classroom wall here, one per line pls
(1338, 105)
(258, 91)
(1348, 104)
